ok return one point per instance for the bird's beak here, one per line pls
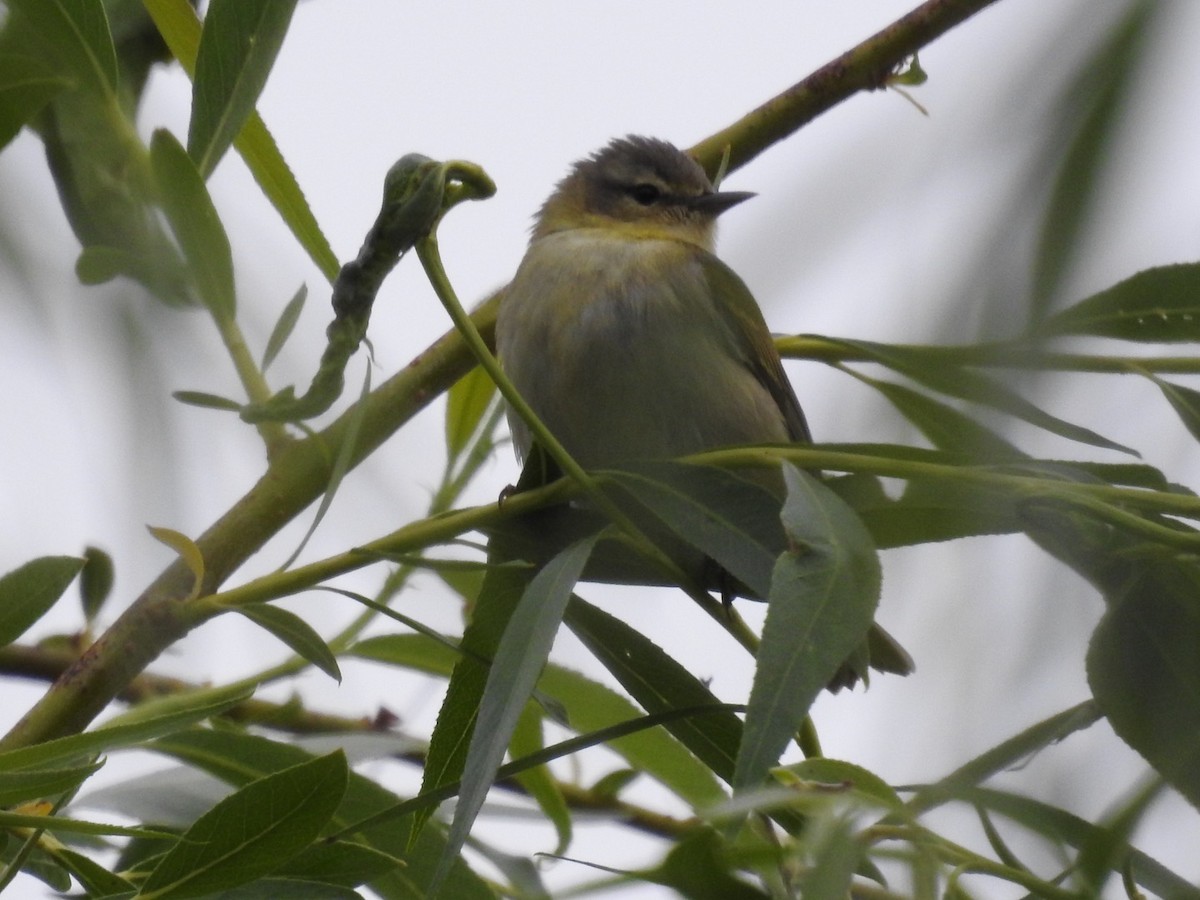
(716, 203)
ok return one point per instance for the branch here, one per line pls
(866, 67)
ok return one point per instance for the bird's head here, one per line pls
(641, 187)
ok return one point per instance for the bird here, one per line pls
(620, 303)
(626, 335)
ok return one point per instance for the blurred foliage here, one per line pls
(283, 820)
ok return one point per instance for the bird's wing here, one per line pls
(753, 339)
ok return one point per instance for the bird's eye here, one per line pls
(645, 194)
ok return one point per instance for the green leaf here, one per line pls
(72, 826)
(727, 515)
(92, 877)
(180, 27)
(1107, 851)
(696, 868)
(961, 381)
(35, 784)
(838, 772)
(161, 717)
(1185, 402)
(239, 758)
(659, 684)
(823, 598)
(930, 509)
(296, 633)
(77, 33)
(28, 592)
(836, 855)
(467, 403)
(1085, 124)
(288, 889)
(520, 657)
(1144, 670)
(341, 862)
(284, 326)
(1160, 305)
(1058, 826)
(945, 427)
(238, 46)
(252, 832)
(206, 401)
(499, 596)
(590, 707)
(1005, 755)
(195, 224)
(527, 739)
(342, 464)
(152, 261)
(188, 551)
(26, 85)
(1142, 663)
(95, 582)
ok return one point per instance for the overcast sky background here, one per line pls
(870, 223)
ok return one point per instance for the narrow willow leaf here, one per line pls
(296, 633)
(238, 46)
(77, 33)
(206, 401)
(188, 552)
(179, 25)
(696, 867)
(35, 784)
(212, 702)
(1185, 402)
(1107, 851)
(1005, 755)
(466, 405)
(590, 706)
(936, 510)
(284, 326)
(520, 657)
(339, 863)
(498, 597)
(26, 85)
(968, 384)
(727, 515)
(823, 598)
(195, 224)
(252, 832)
(1060, 826)
(73, 826)
(93, 877)
(239, 758)
(1144, 670)
(1086, 122)
(861, 781)
(945, 427)
(189, 706)
(341, 465)
(836, 855)
(158, 266)
(527, 739)
(1160, 305)
(28, 592)
(1142, 663)
(659, 683)
(95, 582)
